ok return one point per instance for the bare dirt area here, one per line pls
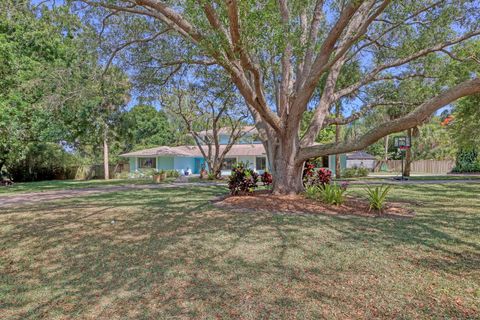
(299, 204)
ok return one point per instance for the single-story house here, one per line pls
(361, 159)
(183, 158)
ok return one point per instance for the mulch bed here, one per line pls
(299, 204)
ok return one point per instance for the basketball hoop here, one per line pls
(403, 143)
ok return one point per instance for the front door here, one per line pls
(197, 166)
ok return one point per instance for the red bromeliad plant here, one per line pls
(309, 169)
(324, 176)
(266, 178)
(315, 177)
(242, 180)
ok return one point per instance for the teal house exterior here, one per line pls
(190, 159)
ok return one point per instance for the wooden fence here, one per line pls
(423, 166)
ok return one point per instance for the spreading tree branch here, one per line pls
(412, 119)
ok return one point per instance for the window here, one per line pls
(261, 163)
(228, 163)
(325, 162)
(147, 163)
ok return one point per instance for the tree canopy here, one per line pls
(55, 98)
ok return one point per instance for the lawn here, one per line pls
(418, 177)
(168, 253)
(41, 186)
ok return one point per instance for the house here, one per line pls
(361, 159)
(249, 150)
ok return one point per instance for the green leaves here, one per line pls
(147, 127)
(377, 196)
(53, 92)
(332, 194)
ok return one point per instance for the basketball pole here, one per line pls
(401, 152)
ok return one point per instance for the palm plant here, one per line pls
(377, 196)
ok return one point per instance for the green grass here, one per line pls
(171, 255)
(446, 177)
(417, 177)
(198, 180)
(41, 186)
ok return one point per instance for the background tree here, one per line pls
(35, 46)
(466, 124)
(55, 98)
(147, 127)
(209, 111)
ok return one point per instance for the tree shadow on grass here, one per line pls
(169, 253)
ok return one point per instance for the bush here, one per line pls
(355, 172)
(332, 193)
(467, 161)
(211, 176)
(148, 173)
(242, 180)
(312, 192)
(266, 178)
(121, 175)
(319, 177)
(308, 170)
(173, 174)
(324, 176)
(378, 196)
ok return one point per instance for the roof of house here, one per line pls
(360, 155)
(194, 151)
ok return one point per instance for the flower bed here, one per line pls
(299, 204)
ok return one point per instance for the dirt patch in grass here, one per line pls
(266, 201)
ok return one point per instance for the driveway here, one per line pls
(12, 200)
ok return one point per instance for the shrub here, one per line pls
(211, 176)
(316, 177)
(355, 172)
(122, 175)
(324, 176)
(266, 178)
(378, 196)
(172, 173)
(467, 161)
(312, 192)
(308, 170)
(242, 180)
(332, 193)
(147, 173)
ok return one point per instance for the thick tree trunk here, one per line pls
(105, 156)
(287, 177)
(285, 168)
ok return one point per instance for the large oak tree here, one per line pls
(286, 57)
